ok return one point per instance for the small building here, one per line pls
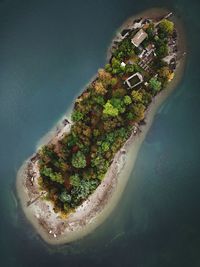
(134, 80)
(139, 37)
(123, 64)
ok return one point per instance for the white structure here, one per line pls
(123, 64)
(142, 54)
(137, 25)
(139, 37)
(134, 80)
(168, 58)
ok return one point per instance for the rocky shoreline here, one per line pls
(51, 226)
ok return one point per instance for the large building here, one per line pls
(139, 37)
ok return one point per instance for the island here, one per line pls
(78, 173)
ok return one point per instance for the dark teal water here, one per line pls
(48, 51)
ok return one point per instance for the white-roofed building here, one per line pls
(139, 37)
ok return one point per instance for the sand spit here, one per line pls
(50, 226)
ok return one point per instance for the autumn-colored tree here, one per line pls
(166, 73)
(110, 123)
(119, 92)
(99, 88)
(105, 77)
(136, 96)
(138, 111)
(87, 131)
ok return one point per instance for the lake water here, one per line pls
(48, 51)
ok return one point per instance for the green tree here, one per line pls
(162, 51)
(150, 31)
(77, 116)
(108, 67)
(96, 132)
(146, 97)
(127, 100)
(166, 26)
(161, 47)
(118, 104)
(125, 49)
(113, 81)
(75, 180)
(99, 162)
(105, 146)
(116, 66)
(79, 160)
(71, 140)
(110, 110)
(99, 100)
(110, 137)
(129, 68)
(122, 133)
(130, 116)
(54, 176)
(65, 197)
(83, 191)
(154, 84)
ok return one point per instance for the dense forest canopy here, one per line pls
(103, 118)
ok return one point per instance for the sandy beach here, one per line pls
(50, 226)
